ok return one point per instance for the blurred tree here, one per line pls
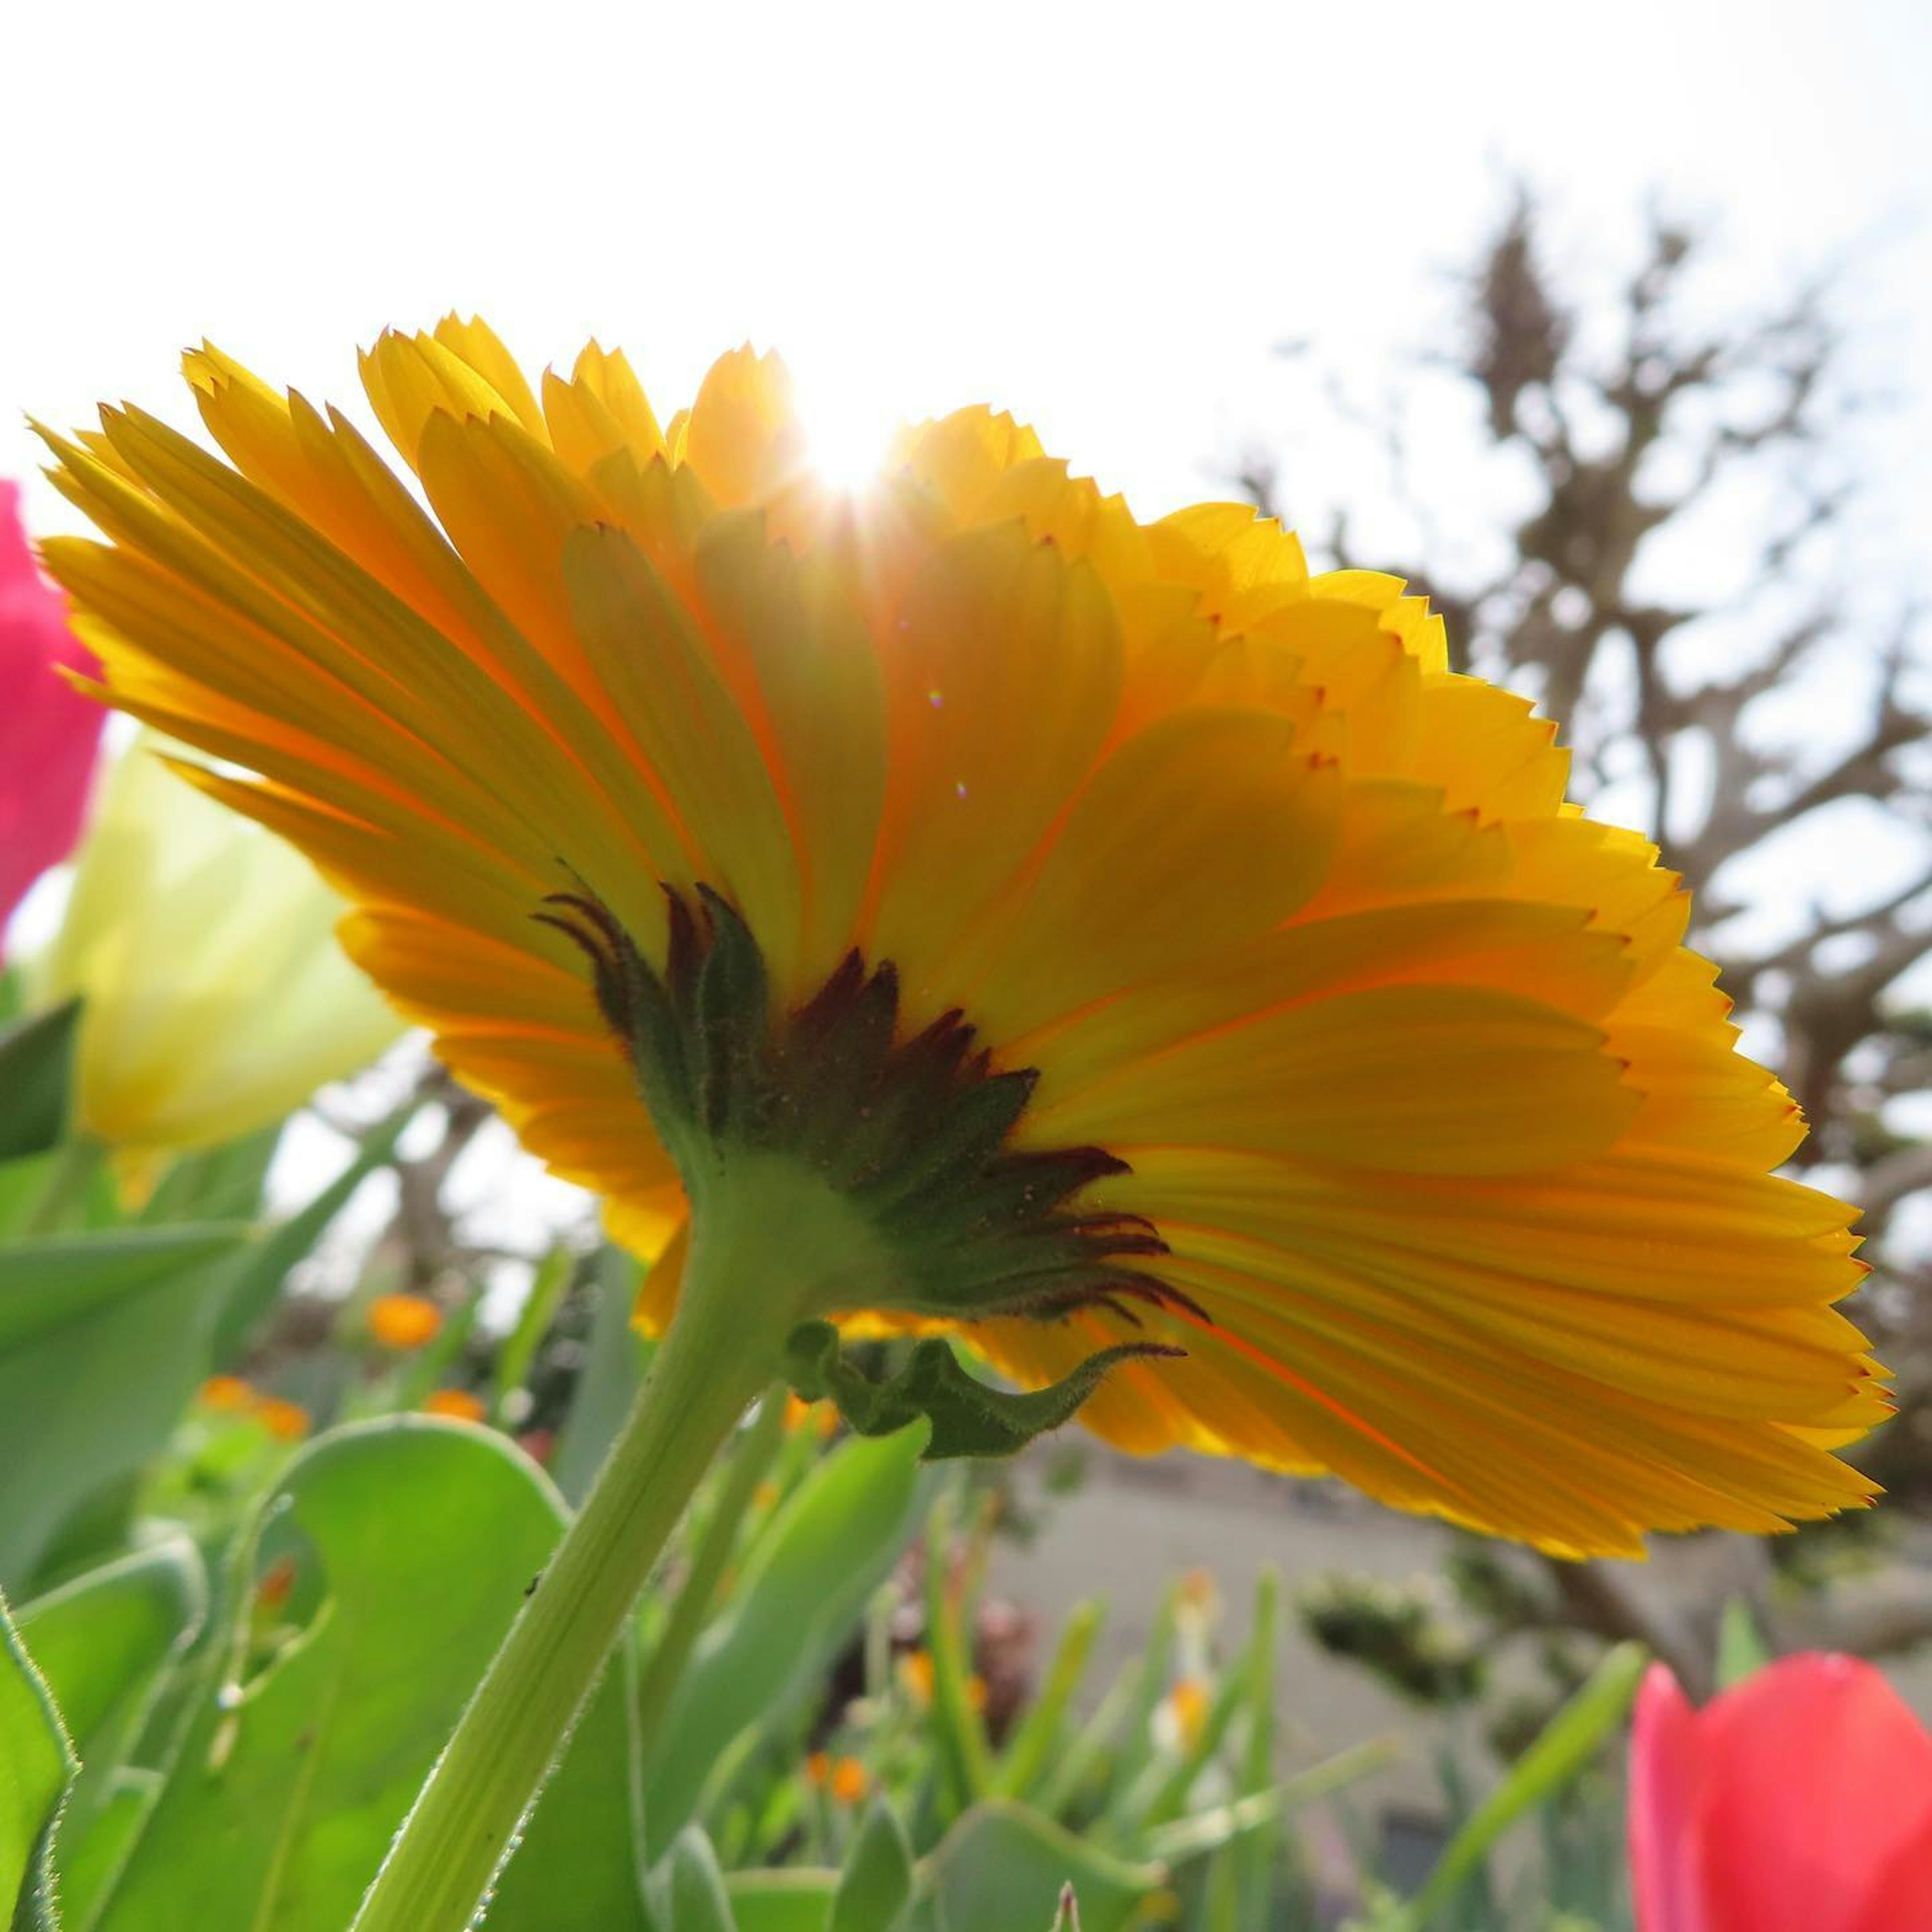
(1762, 741)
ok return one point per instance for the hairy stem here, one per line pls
(717, 1354)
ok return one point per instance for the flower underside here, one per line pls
(913, 1133)
(1419, 1091)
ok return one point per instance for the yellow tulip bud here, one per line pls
(216, 998)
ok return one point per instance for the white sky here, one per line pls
(1102, 216)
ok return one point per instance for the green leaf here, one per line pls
(695, 1900)
(876, 1885)
(552, 1280)
(1003, 1866)
(36, 1764)
(1568, 1742)
(956, 1731)
(577, 1868)
(611, 1376)
(1741, 1649)
(969, 1418)
(1240, 1884)
(1126, 1712)
(1254, 1817)
(105, 1643)
(412, 1542)
(216, 1183)
(804, 1589)
(793, 1899)
(1032, 1748)
(104, 1337)
(36, 1072)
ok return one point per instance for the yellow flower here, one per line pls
(849, 1781)
(404, 1321)
(1288, 1015)
(217, 999)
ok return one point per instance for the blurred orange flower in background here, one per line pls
(457, 1404)
(404, 1321)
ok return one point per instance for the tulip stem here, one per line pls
(716, 1356)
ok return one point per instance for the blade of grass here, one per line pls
(1567, 1743)
(1026, 1757)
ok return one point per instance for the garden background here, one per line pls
(1608, 336)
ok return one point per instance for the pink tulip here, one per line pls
(48, 734)
(1799, 1801)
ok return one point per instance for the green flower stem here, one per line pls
(723, 1347)
(749, 1461)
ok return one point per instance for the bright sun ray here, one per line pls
(848, 424)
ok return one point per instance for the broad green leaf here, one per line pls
(103, 1338)
(49, 1284)
(1741, 1649)
(36, 1763)
(104, 1643)
(1003, 1866)
(793, 1899)
(876, 1885)
(969, 1418)
(804, 1587)
(1567, 1743)
(412, 1542)
(36, 1068)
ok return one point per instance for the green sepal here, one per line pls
(731, 1023)
(969, 1417)
(36, 1076)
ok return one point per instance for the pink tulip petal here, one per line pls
(1664, 1774)
(50, 734)
(1813, 1812)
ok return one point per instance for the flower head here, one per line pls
(216, 998)
(404, 1321)
(50, 734)
(225, 1394)
(286, 1421)
(1072, 932)
(1799, 1801)
(458, 1405)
